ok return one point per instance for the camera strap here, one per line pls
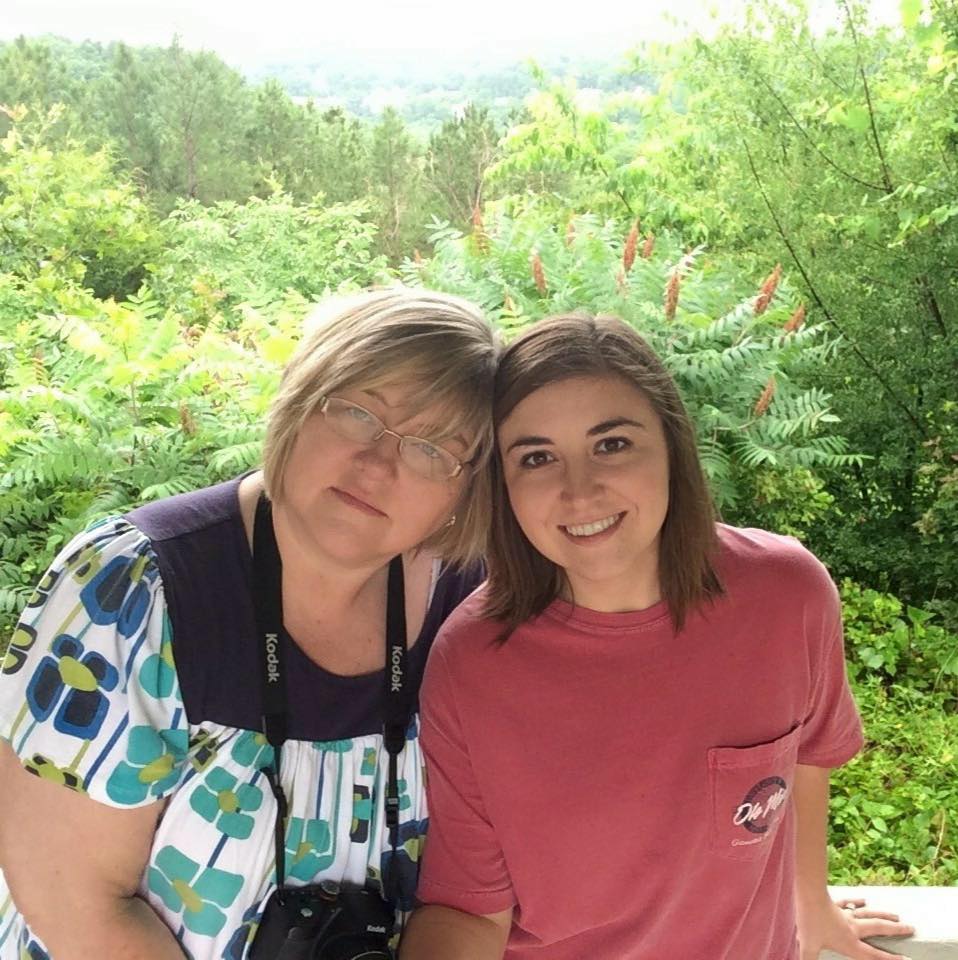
(396, 701)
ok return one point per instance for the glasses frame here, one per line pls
(385, 431)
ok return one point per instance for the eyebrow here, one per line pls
(376, 395)
(612, 424)
(528, 442)
(604, 427)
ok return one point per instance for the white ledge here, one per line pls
(932, 911)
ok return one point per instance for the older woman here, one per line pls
(215, 695)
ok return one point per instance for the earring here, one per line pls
(451, 522)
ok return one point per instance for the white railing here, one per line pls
(932, 911)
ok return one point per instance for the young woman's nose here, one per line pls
(580, 480)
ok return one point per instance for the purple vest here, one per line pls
(205, 564)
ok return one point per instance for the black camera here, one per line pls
(325, 922)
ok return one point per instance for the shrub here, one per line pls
(894, 641)
(214, 258)
(68, 213)
(113, 404)
(740, 351)
(892, 808)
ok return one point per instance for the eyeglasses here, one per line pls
(354, 422)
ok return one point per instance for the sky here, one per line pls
(241, 31)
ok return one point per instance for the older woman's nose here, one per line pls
(381, 455)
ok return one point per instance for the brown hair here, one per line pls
(522, 582)
(403, 336)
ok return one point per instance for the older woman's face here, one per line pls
(362, 503)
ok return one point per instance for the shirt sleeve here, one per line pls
(832, 730)
(89, 696)
(463, 865)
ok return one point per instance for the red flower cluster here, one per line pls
(762, 404)
(538, 274)
(631, 242)
(796, 320)
(672, 295)
(767, 290)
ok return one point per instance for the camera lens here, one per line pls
(329, 889)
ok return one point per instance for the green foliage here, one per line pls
(215, 257)
(395, 173)
(723, 349)
(938, 525)
(899, 642)
(891, 817)
(835, 152)
(786, 500)
(458, 156)
(120, 403)
(570, 153)
(308, 151)
(891, 807)
(64, 213)
(179, 116)
(188, 127)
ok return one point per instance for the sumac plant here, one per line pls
(741, 348)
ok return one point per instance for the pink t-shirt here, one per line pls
(628, 789)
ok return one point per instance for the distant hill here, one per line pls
(428, 91)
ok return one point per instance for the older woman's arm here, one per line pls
(73, 866)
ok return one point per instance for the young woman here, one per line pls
(629, 728)
(145, 814)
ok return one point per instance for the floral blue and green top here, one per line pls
(133, 677)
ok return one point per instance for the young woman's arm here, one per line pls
(822, 924)
(464, 884)
(436, 931)
(73, 866)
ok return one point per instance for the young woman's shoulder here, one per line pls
(467, 635)
(765, 561)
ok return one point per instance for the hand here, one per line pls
(841, 926)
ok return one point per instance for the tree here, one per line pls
(65, 214)
(180, 116)
(836, 154)
(340, 155)
(31, 74)
(395, 173)
(456, 162)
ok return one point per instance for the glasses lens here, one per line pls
(427, 459)
(351, 421)
(355, 423)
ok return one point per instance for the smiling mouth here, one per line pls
(593, 528)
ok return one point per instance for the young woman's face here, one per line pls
(587, 470)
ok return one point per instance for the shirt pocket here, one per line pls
(751, 790)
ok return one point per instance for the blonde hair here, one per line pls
(399, 336)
